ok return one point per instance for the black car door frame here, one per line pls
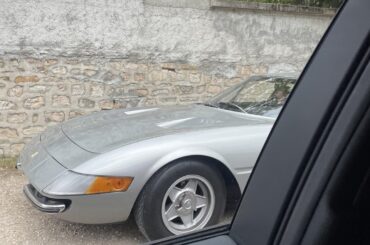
(297, 138)
(303, 127)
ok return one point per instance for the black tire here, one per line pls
(148, 207)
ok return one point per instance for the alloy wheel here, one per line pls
(188, 204)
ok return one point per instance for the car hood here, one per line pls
(103, 131)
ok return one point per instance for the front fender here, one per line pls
(189, 152)
(142, 160)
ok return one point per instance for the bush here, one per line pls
(7, 162)
(313, 3)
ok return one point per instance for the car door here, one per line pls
(286, 199)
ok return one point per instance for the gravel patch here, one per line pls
(21, 223)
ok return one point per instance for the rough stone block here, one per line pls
(32, 130)
(86, 103)
(185, 89)
(34, 102)
(4, 79)
(7, 105)
(35, 117)
(61, 101)
(78, 89)
(59, 70)
(7, 133)
(158, 92)
(39, 88)
(27, 79)
(15, 91)
(139, 77)
(19, 117)
(73, 114)
(54, 116)
(97, 90)
(90, 72)
(106, 104)
(214, 89)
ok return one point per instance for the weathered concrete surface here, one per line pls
(130, 29)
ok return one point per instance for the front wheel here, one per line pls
(183, 197)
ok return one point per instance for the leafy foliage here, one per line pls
(313, 3)
(7, 162)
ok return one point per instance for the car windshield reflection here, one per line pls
(262, 96)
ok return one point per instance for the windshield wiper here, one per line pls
(208, 104)
(225, 105)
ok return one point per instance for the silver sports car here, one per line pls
(174, 168)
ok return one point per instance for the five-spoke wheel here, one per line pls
(184, 196)
(188, 204)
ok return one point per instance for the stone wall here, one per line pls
(35, 93)
(61, 58)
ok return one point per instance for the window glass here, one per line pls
(263, 96)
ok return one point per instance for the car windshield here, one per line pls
(262, 96)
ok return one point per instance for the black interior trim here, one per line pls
(206, 233)
(300, 127)
(329, 154)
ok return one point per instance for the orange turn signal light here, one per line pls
(109, 184)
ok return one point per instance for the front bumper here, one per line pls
(43, 203)
(102, 208)
(41, 169)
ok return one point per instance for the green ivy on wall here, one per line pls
(312, 3)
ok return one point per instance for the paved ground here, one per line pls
(20, 223)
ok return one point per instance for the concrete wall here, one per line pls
(63, 58)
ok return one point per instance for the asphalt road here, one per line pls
(20, 223)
